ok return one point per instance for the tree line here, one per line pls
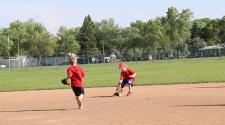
(175, 35)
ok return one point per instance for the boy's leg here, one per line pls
(129, 90)
(79, 93)
(130, 84)
(79, 101)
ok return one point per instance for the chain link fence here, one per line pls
(28, 62)
(13, 63)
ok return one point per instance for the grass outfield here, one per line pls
(99, 75)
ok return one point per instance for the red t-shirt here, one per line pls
(76, 75)
(125, 75)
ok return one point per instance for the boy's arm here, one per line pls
(133, 75)
(69, 74)
(64, 81)
(67, 78)
(121, 78)
(82, 73)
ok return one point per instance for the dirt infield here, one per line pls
(195, 104)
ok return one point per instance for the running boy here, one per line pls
(126, 77)
(76, 74)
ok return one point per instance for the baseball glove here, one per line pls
(118, 91)
(64, 82)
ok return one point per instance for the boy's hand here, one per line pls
(131, 76)
(64, 82)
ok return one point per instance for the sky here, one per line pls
(70, 13)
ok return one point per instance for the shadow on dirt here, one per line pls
(100, 96)
(209, 87)
(36, 110)
(207, 105)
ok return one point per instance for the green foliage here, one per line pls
(178, 29)
(38, 39)
(211, 31)
(26, 38)
(106, 35)
(222, 30)
(195, 44)
(87, 37)
(6, 43)
(67, 40)
(174, 34)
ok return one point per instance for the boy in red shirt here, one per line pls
(126, 77)
(76, 75)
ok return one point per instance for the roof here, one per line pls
(212, 47)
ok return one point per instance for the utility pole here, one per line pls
(103, 51)
(9, 52)
(18, 50)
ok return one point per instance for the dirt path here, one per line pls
(196, 104)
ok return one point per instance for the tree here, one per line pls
(5, 43)
(106, 35)
(156, 38)
(195, 44)
(222, 30)
(139, 25)
(184, 31)
(27, 38)
(178, 27)
(38, 41)
(17, 35)
(197, 27)
(87, 38)
(67, 40)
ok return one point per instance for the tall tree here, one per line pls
(171, 26)
(178, 29)
(184, 31)
(87, 38)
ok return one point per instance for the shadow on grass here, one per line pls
(36, 110)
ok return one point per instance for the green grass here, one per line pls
(100, 75)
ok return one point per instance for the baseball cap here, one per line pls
(122, 65)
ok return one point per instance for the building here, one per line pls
(212, 51)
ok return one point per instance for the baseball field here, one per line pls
(164, 95)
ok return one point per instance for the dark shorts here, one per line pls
(129, 82)
(78, 90)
